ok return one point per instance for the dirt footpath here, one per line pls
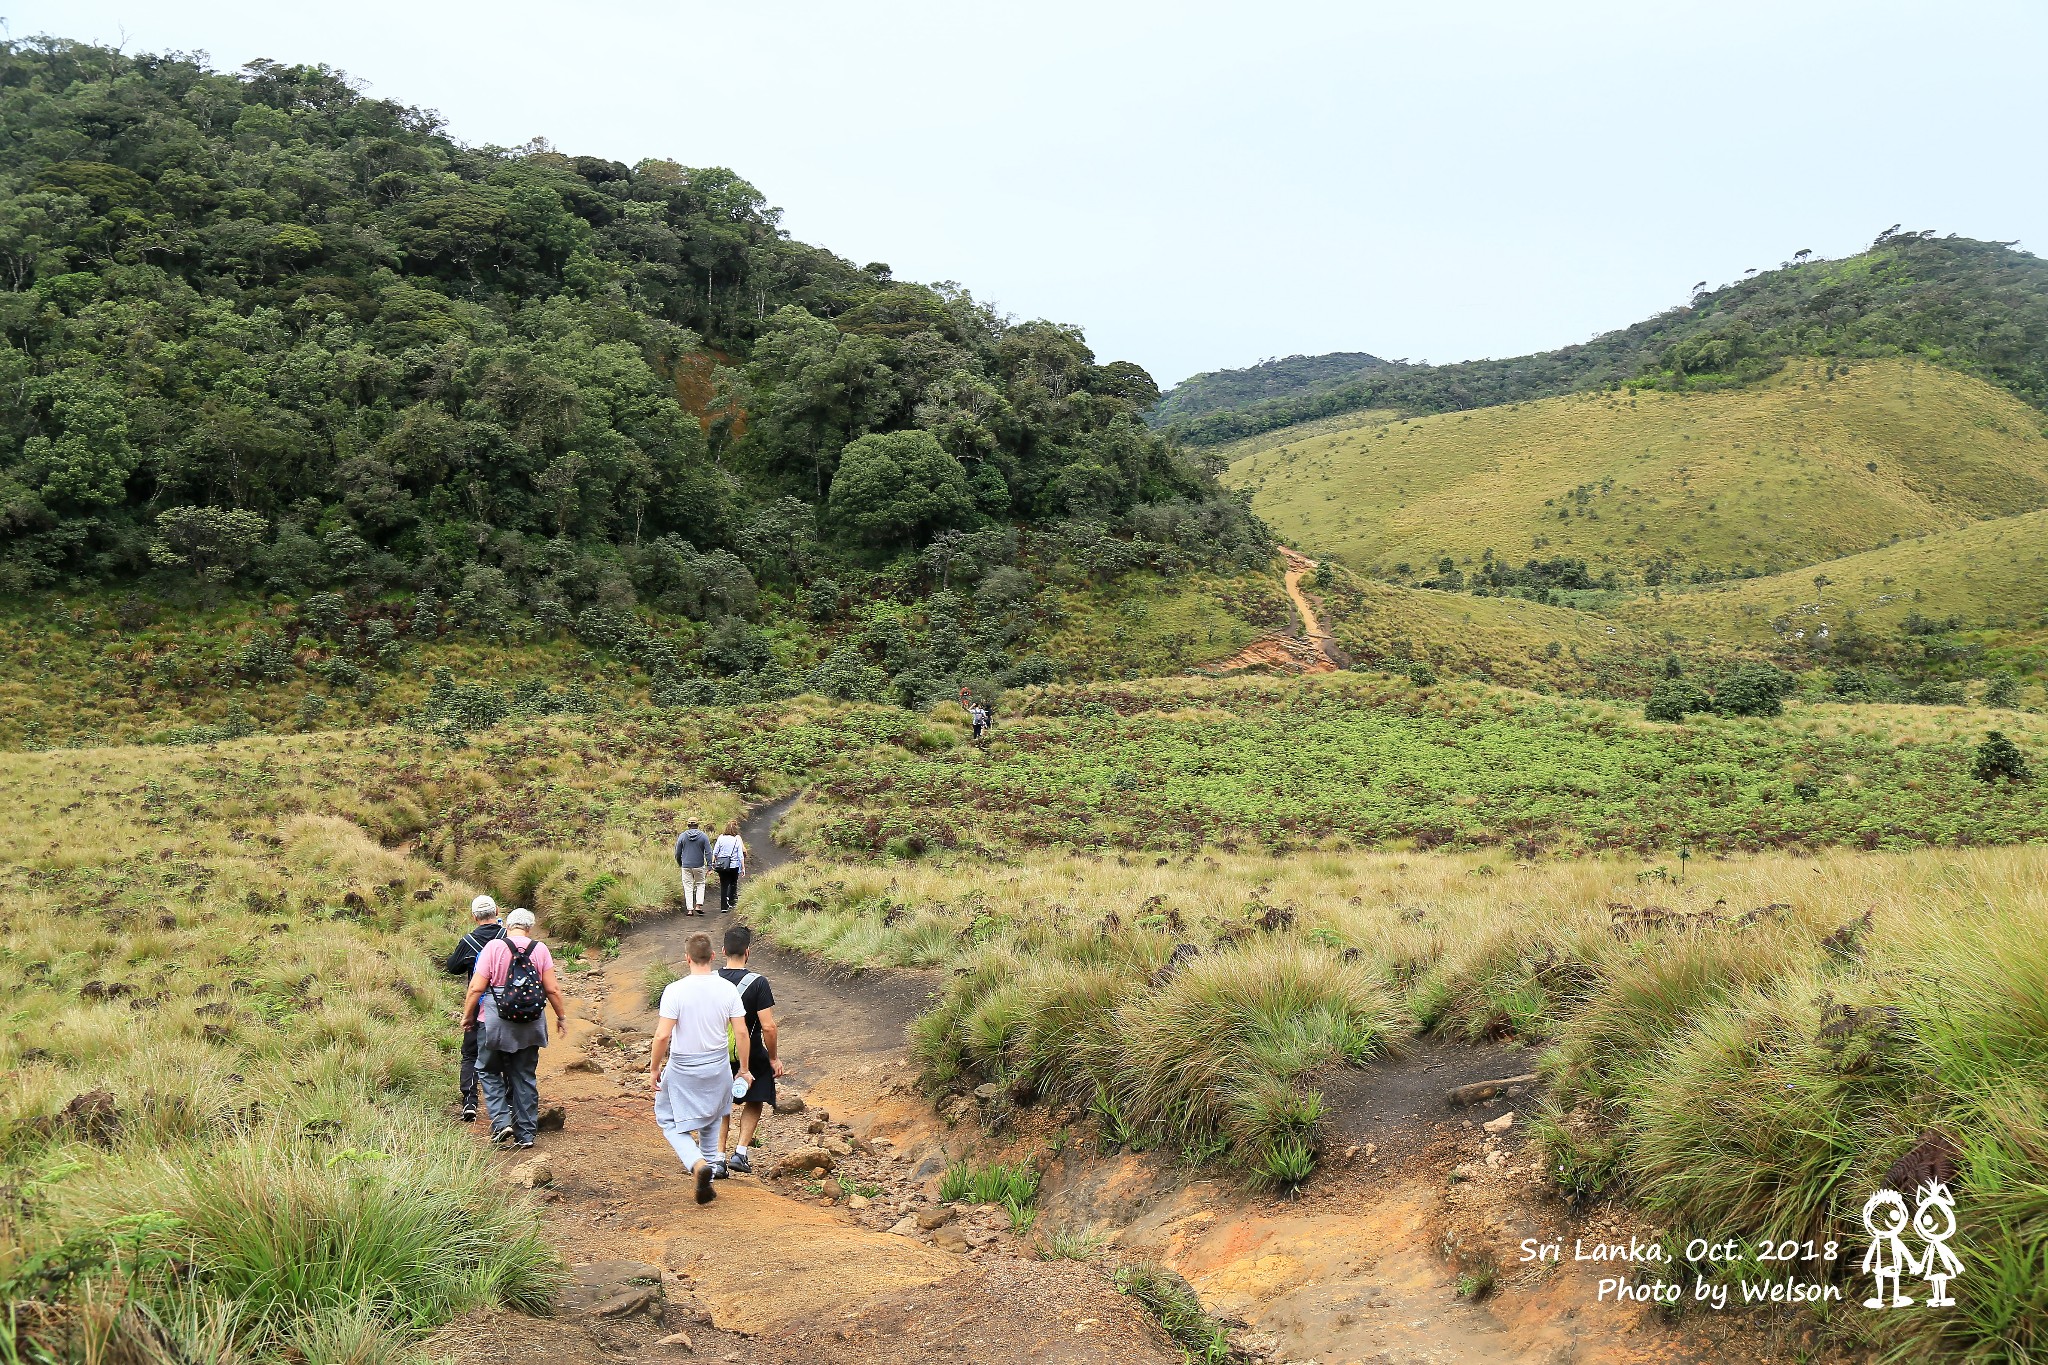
(789, 1269)
(1402, 1248)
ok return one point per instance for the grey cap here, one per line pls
(519, 919)
(483, 907)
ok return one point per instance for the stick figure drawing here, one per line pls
(1884, 1217)
(1934, 1219)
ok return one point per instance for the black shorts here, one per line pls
(762, 1088)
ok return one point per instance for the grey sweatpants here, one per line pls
(695, 1094)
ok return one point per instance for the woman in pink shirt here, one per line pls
(508, 998)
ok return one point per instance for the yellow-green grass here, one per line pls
(251, 979)
(1768, 477)
(1146, 624)
(1507, 640)
(1988, 574)
(1246, 446)
(1743, 1047)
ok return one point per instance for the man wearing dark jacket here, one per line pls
(461, 963)
(693, 854)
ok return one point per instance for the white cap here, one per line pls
(519, 919)
(483, 907)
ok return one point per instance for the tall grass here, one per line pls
(1742, 1053)
(217, 944)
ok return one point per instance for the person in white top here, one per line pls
(701, 1030)
(729, 861)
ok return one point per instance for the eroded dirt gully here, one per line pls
(1364, 1265)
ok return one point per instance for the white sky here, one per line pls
(1202, 185)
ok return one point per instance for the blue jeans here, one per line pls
(511, 1090)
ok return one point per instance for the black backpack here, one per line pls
(522, 999)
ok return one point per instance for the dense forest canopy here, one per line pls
(1283, 377)
(1981, 307)
(259, 327)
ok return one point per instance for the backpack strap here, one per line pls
(746, 983)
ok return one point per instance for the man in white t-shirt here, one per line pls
(701, 1030)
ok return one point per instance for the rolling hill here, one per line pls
(1981, 307)
(1505, 640)
(1819, 461)
(1991, 574)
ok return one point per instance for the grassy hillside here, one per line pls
(1980, 307)
(1352, 759)
(104, 666)
(1817, 462)
(1506, 640)
(1987, 574)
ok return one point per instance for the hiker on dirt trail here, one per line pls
(462, 963)
(980, 717)
(693, 852)
(762, 1060)
(729, 860)
(508, 1002)
(690, 1068)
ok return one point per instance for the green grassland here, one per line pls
(1508, 640)
(1144, 624)
(1359, 759)
(1245, 447)
(1763, 478)
(104, 666)
(1988, 574)
(260, 915)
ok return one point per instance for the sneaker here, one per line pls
(719, 1170)
(740, 1162)
(525, 1146)
(469, 1113)
(705, 1194)
(501, 1137)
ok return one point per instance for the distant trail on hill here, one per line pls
(1310, 653)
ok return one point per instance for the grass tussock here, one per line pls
(1747, 1051)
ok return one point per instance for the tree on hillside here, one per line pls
(895, 487)
(1999, 758)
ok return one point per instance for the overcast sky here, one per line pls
(1204, 185)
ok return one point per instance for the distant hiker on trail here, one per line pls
(691, 1070)
(693, 852)
(462, 962)
(980, 717)
(508, 1002)
(729, 860)
(762, 1060)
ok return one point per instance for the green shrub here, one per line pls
(1673, 699)
(1755, 690)
(2003, 692)
(1998, 757)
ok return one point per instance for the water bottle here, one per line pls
(739, 1087)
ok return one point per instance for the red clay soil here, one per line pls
(1307, 652)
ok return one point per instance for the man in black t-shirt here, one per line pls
(759, 1000)
(461, 963)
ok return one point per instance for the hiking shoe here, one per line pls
(501, 1137)
(525, 1146)
(741, 1162)
(705, 1194)
(469, 1113)
(719, 1170)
